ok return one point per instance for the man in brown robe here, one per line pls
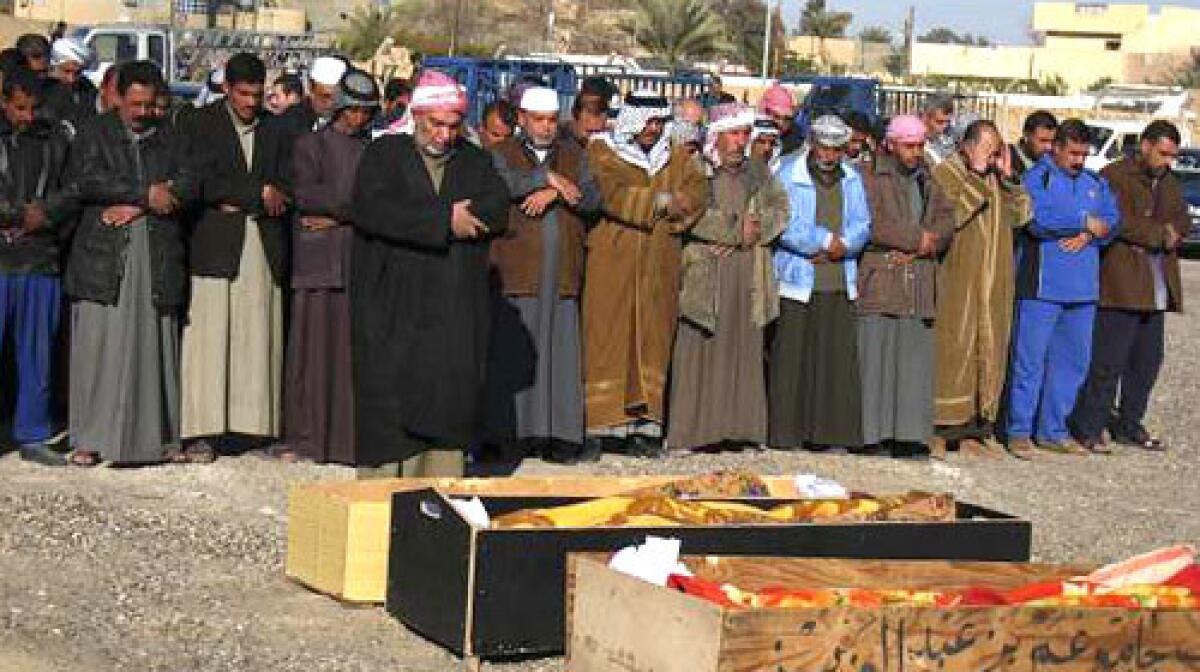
(318, 408)
(975, 291)
(651, 194)
(729, 295)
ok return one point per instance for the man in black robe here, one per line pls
(425, 208)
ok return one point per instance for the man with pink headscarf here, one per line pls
(911, 225)
(778, 104)
(426, 206)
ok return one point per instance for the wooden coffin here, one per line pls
(498, 593)
(619, 623)
(338, 531)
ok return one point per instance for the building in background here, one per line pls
(244, 14)
(1082, 43)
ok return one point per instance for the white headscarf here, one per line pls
(639, 108)
(69, 49)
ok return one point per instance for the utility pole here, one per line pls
(454, 26)
(910, 27)
(767, 40)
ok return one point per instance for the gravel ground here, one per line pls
(182, 568)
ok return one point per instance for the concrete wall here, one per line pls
(76, 12)
(953, 60)
(89, 12)
(1088, 17)
(326, 15)
(1172, 29)
(1080, 68)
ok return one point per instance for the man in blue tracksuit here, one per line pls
(1058, 285)
(35, 207)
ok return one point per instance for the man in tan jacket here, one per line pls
(652, 193)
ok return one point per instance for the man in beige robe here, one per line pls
(233, 339)
(975, 287)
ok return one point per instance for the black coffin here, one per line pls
(499, 593)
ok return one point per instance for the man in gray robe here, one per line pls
(126, 276)
(535, 383)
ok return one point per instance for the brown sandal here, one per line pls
(84, 459)
(200, 453)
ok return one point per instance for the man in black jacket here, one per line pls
(426, 206)
(70, 96)
(33, 207)
(233, 340)
(127, 279)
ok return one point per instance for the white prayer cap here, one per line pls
(327, 70)
(539, 99)
(69, 49)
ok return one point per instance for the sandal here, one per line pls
(1140, 438)
(84, 459)
(200, 452)
(175, 456)
(281, 452)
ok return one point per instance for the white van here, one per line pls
(1116, 139)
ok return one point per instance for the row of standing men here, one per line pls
(438, 293)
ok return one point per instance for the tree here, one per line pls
(745, 21)
(818, 21)
(677, 30)
(875, 34)
(1100, 84)
(897, 62)
(1050, 85)
(944, 35)
(1188, 76)
(366, 29)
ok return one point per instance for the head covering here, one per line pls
(640, 107)
(722, 118)
(729, 116)
(357, 89)
(211, 91)
(777, 100)
(70, 49)
(539, 99)
(766, 126)
(327, 70)
(438, 92)
(830, 131)
(683, 132)
(763, 125)
(907, 128)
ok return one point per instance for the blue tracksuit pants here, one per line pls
(1051, 353)
(29, 311)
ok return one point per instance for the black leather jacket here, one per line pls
(110, 167)
(32, 170)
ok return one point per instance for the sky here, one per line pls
(1001, 21)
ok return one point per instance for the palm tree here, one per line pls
(366, 29)
(677, 30)
(820, 22)
(875, 34)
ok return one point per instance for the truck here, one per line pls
(186, 55)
